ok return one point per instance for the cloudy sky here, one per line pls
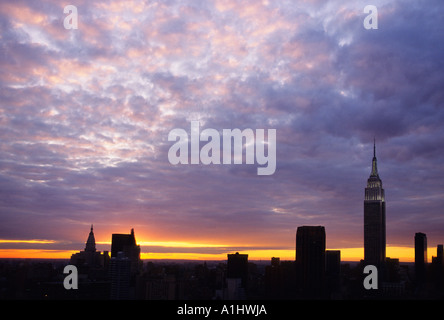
(85, 115)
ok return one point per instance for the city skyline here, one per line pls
(85, 115)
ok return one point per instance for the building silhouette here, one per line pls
(126, 243)
(280, 280)
(310, 260)
(374, 218)
(237, 276)
(420, 257)
(316, 273)
(439, 254)
(273, 278)
(333, 273)
(90, 258)
(125, 265)
(120, 274)
(161, 288)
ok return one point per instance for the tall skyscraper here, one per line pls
(310, 260)
(374, 218)
(125, 265)
(120, 273)
(420, 256)
(126, 243)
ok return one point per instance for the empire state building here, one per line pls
(374, 218)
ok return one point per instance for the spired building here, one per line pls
(374, 218)
(90, 257)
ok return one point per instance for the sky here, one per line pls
(85, 116)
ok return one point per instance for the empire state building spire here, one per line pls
(374, 190)
(374, 161)
(374, 217)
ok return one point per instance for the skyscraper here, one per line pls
(237, 275)
(120, 273)
(126, 243)
(374, 218)
(420, 256)
(125, 265)
(310, 260)
(237, 266)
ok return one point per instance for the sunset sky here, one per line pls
(85, 115)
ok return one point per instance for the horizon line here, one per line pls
(402, 253)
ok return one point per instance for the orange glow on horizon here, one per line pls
(404, 254)
(36, 254)
(179, 244)
(26, 241)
